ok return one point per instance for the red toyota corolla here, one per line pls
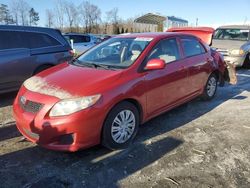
(105, 94)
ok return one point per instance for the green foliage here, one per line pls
(122, 31)
(33, 16)
(5, 16)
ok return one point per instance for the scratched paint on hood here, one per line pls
(40, 85)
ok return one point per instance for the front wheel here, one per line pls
(210, 88)
(120, 126)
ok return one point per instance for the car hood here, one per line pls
(204, 33)
(227, 44)
(70, 81)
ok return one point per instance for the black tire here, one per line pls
(246, 63)
(209, 93)
(41, 68)
(107, 138)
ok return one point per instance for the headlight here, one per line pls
(237, 52)
(69, 106)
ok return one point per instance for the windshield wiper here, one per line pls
(76, 62)
(98, 65)
(101, 65)
(92, 65)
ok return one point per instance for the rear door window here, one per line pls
(192, 47)
(39, 40)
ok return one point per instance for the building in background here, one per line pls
(162, 23)
(172, 21)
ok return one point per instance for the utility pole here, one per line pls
(197, 20)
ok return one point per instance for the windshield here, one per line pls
(115, 52)
(231, 34)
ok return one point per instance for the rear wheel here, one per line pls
(121, 126)
(210, 88)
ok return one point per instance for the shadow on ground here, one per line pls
(7, 99)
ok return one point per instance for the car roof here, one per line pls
(234, 27)
(152, 35)
(26, 28)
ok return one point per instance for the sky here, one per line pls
(209, 12)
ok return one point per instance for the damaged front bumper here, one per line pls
(230, 73)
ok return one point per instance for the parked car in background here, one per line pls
(233, 42)
(26, 51)
(82, 42)
(103, 37)
(111, 92)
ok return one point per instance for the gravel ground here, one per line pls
(199, 144)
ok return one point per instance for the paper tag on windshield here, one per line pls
(143, 39)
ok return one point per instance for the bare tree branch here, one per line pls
(49, 18)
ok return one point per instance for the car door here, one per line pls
(197, 59)
(14, 55)
(168, 86)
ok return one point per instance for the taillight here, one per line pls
(71, 52)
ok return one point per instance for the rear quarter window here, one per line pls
(39, 40)
(19, 39)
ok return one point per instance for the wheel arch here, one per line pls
(219, 77)
(133, 101)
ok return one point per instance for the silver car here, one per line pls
(233, 42)
(81, 42)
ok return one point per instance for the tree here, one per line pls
(49, 18)
(91, 15)
(15, 11)
(24, 11)
(71, 14)
(117, 30)
(5, 16)
(33, 16)
(113, 19)
(59, 13)
(122, 31)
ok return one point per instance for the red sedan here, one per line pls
(105, 94)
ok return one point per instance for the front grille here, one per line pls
(30, 106)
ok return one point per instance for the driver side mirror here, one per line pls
(155, 64)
